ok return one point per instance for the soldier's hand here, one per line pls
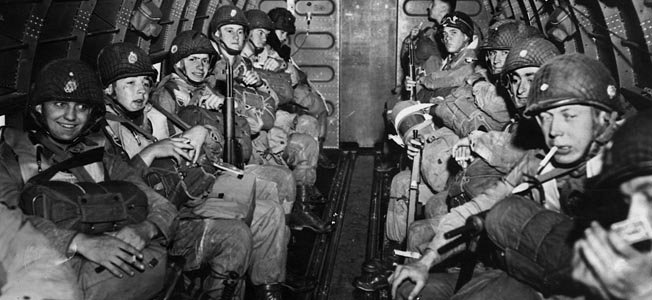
(410, 83)
(137, 235)
(414, 146)
(272, 65)
(196, 135)
(462, 153)
(211, 101)
(416, 272)
(622, 271)
(251, 78)
(415, 31)
(109, 252)
(179, 148)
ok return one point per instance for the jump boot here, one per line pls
(302, 217)
(273, 291)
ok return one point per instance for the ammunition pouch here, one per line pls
(88, 207)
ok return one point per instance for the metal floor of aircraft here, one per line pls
(356, 191)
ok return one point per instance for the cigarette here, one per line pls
(547, 158)
(408, 254)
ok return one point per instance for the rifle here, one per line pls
(412, 67)
(413, 192)
(230, 155)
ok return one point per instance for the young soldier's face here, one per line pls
(65, 120)
(570, 128)
(132, 92)
(438, 10)
(258, 37)
(496, 60)
(196, 66)
(454, 40)
(232, 35)
(519, 84)
(282, 35)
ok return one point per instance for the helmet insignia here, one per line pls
(233, 13)
(174, 49)
(70, 86)
(544, 87)
(133, 58)
(523, 53)
(611, 91)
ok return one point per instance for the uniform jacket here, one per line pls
(556, 192)
(30, 268)
(454, 69)
(18, 156)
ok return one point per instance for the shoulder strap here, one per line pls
(558, 173)
(172, 117)
(113, 117)
(76, 161)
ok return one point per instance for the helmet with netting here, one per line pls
(572, 79)
(68, 80)
(531, 52)
(190, 42)
(122, 60)
(630, 155)
(506, 35)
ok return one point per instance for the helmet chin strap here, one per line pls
(229, 50)
(181, 72)
(257, 50)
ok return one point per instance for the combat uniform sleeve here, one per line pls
(12, 185)
(161, 211)
(496, 148)
(29, 267)
(486, 200)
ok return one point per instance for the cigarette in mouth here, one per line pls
(546, 159)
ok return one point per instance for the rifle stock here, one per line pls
(229, 119)
(413, 192)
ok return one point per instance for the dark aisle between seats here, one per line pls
(333, 260)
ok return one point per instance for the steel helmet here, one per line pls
(228, 14)
(572, 79)
(259, 19)
(122, 60)
(190, 42)
(531, 52)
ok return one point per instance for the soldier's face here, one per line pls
(65, 120)
(496, 60)
(282, 35)
(571, 129)
(196, 66)
(519, 84)
(454, 40)
(258, 37)
(132, 92)
(638, 194)
(232, 36)
(438, 10)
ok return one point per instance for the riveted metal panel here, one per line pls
(172, 12)
(311, 53)
(108, 24)
(189, 15)
(205, 12)
(623, 55)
